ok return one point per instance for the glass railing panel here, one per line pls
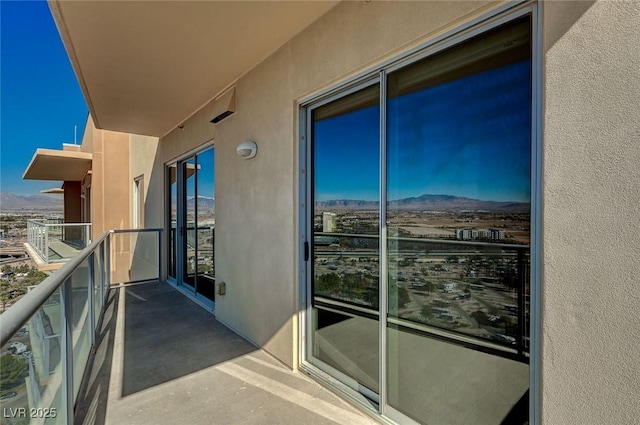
(98, 279)
(65, 241)
(80, 321)
(31, 390)
(55, 241)
(134, 256)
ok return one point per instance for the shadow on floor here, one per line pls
(162, 359)
(167, 336)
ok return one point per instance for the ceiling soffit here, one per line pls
(145, 66)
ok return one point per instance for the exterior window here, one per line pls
(138, 202)
(422, 232)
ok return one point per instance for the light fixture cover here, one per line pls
(247, 150)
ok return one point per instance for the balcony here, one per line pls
(104, 341)
(51, 242)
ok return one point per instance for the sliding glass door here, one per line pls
(345, 246)
(458, 231)
(418, 272)
(191, 208)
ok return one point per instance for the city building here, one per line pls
(176, 90)
(467, 234)
(495, 234)
(328, 222)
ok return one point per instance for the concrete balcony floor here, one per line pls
(161, 359)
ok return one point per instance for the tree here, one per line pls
(12, 369)
(430, 287)
(5, 294)
(426, 312)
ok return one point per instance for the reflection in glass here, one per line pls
(345, 248)
(173, 214)
(81, 323)
(189, 232)
(32, 368)
(458, 161)
(204, 205)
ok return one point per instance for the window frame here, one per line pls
(137, 221)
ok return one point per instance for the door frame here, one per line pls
(178, 282)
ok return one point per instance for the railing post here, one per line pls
(159, 254)
(521, 313)
(66, 348)
(87, 234)
(108, 261)
(102, 274)
(46, 244)
(91, 288)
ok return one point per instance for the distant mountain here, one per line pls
(13, 202)
(204, 202)
(428, 202)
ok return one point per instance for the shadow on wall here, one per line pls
(138, 251)
(559, 17)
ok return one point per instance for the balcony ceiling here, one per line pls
(51, 164)
(146, 66)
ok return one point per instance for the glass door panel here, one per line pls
(172, 193)
(188, 228)
(205, 224)
(458, 230)
(344, 325)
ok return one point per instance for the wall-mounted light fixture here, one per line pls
(247, 150)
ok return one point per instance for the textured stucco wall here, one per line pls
(256, 200)
(591, 195)
(110, 186)
(142, 152)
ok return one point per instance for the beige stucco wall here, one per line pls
(256, 200)
(143, 162)
(591, 181)
(110, 188)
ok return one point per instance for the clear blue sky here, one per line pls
(40, 97)
(469, 137)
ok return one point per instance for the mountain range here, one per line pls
(13, 202)
(427, 202)
(204, 202)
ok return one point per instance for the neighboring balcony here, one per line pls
(51, 242)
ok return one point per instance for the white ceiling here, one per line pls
(145, 66)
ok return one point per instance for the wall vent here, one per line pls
(224, 105)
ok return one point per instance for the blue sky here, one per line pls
(469, 137)
(41, 101)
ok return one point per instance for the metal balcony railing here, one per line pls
(48, 335)
(55, 241)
